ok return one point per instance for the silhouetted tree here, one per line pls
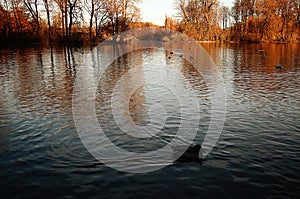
(32, 8)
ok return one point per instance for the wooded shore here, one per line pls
(80, 22)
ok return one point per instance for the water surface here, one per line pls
(257, 155)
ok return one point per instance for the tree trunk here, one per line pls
(91, 19)
(66, 20)
(48, 20)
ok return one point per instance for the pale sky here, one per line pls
(156, 10)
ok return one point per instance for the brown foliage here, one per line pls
(65, 21)
(266, 20)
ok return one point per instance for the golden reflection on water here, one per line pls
(36, 101)
(113, 74)
(33, 75)
(259, 58)
(52, 72)
(40, 76)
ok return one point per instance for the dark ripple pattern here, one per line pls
(257, 155)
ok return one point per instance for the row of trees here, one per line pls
(247, 20)
(199, 18)
(257, 20)
(79, 20)
(65, 20)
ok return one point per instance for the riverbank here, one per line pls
(36, 43)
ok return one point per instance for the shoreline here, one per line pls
(251, 42)
(42, 44)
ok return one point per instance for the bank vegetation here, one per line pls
(91, 21)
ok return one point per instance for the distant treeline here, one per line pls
(246, 21)
(90, 21)
(66, 21)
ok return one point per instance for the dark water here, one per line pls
(41, 154)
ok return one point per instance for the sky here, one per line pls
(155, 10)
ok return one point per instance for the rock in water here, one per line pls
(192, 154)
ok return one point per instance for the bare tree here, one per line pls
(89, 6)
(199, 17)
(75, 12)
(32, 7)
(47, 8)
(100, 16)
(62, 5)
(121, 12)
(70, 10)
(225, 12)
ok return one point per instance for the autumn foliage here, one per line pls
(80, 21)
(65, 21)
(266, 20)
(247, 21)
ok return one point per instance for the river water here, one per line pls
(257, 155)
